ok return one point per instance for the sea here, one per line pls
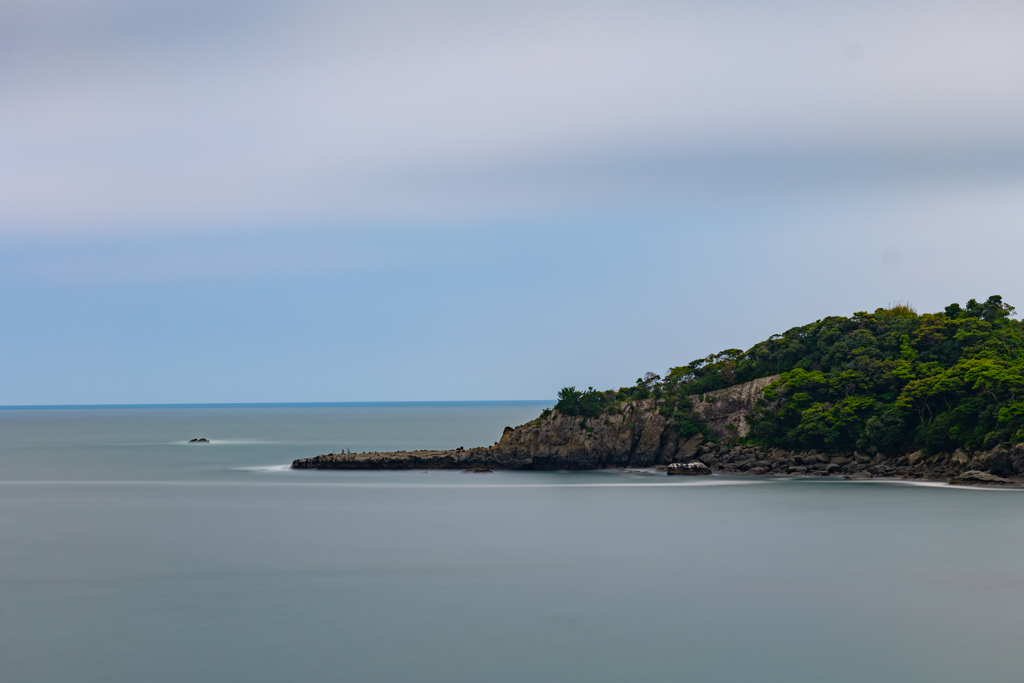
(129, 555)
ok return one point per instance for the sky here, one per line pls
(292, 201)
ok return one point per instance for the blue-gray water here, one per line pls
(127, 555)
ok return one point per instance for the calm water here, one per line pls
(127, 555)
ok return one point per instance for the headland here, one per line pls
(889, 394)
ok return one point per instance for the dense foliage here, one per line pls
(890, 381)
(586, 403)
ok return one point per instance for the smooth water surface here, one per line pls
(128, 555)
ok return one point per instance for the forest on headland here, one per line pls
(893, 381)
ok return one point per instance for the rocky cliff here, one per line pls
(633, 435)
(636, 434)
(725, 411)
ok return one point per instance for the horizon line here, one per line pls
(57, 406)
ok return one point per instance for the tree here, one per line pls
(888, 381)
(587, 403)
(568, 401)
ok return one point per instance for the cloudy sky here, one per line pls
(227, 201)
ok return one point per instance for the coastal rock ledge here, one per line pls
(632, 435)
(637, 435)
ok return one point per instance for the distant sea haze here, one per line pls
(132, 555)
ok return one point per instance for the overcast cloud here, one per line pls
(313, 201)
(138, 115)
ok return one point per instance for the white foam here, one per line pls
(264, 468)
(224, 442)
(244, 442)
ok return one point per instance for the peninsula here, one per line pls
(892, 393)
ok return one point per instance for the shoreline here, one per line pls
(477, 460)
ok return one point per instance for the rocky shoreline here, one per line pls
(636, 435)
(718, 459)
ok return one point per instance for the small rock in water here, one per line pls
(199, 441)
(477, 470)
(688, 468)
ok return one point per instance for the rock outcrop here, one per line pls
(637, 435)
(688, 469)
(725, 411)
(634, 434)
(976, 478)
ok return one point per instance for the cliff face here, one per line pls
(637, 435)
(725, 411)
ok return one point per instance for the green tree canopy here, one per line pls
(889, 381)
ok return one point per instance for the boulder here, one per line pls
(688, 448)
(695, 468)
(1017, 458)
(960, 458)
(979, 478)
(916, 457)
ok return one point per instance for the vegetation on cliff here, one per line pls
(892, 382)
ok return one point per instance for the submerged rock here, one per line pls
(199, 440)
